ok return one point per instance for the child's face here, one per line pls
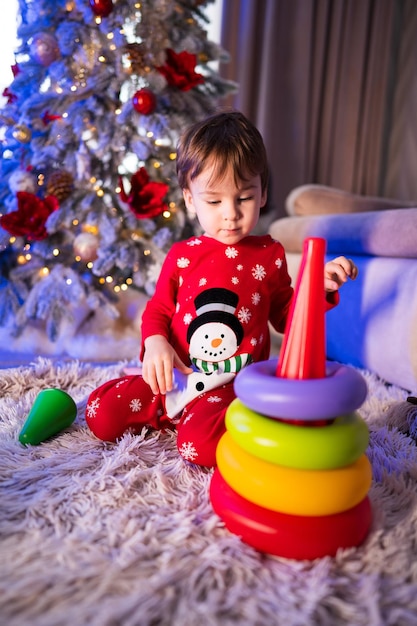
(225, 211)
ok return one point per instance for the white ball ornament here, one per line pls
(86, 246)
(20, 180)
(44, 49)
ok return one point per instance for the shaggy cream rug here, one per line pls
(124, 534)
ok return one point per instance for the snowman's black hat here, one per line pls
(216, 305)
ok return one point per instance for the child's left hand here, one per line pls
(337, 272)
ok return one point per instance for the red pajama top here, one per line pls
(204, 280)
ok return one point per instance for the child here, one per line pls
(214, 298)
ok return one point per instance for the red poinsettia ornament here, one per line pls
(145, 198)
(47, 117)
(11, 97)
(30, 218)
(179, 70)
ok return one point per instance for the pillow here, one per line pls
(381, 233)
(322, 200)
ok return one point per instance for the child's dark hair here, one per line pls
(227, 139)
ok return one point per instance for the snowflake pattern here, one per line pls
(256, 298)
(187, 419)
(202, 282)
(135, 405)
(244, 315)
(231, 252)
(93, 407)
(258, 272)
(187, 319)
(194, 242)
(214, 399)
(239, 267)
(254, 341)
(278, 263)
(183, 262)
(188, 451)
(235, 280)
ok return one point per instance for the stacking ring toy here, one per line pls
(339, 443)
(293, 491)
(289, 536)
(342, 391)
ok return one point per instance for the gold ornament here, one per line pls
(60, 184)
(22, 133)
(203, 57)
(90, 228)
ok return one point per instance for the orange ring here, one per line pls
(289, 490)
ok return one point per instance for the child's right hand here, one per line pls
(159, 360)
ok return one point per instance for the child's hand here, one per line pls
(158, 362)
(337, 272)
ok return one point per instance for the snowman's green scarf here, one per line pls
(232, 365)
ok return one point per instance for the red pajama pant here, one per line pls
(128, 403)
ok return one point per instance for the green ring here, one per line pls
(337, 444)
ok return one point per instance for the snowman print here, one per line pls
(214, 337)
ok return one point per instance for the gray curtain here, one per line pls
(324, 82)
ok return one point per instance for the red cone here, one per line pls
(303, 351)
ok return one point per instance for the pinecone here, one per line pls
(136, 56)
(60, 184)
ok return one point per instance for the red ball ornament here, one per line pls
(101, 8)
(144, 101)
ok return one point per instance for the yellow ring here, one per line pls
(293, 491)
(337, 444)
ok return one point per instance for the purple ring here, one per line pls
(343, 390)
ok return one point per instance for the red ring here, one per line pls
(289, 536)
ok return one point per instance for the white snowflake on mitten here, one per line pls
(188, 451)
(135, 405)
(92, 407)
(214, 399)
(187, 419)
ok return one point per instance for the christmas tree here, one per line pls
(89, 201)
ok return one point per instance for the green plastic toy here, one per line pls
(53, 411)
